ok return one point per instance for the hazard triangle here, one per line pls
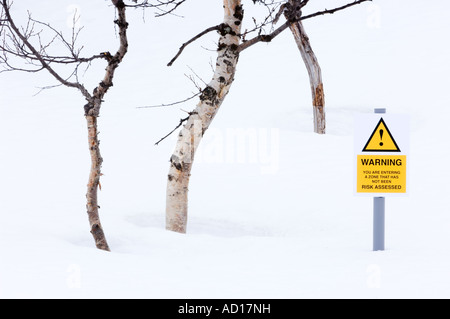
(381, 140)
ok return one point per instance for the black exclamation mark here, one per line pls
(381, 137)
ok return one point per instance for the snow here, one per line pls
(271, 216)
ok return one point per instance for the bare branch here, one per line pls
(170, 133)
(160, 5)
(75, 54)
(279, 13)
(191, 78)
(171, 104)
(198, 36)
(333, 10)
(176, 5)
(272, 6)
(293, 15)
(17, 42)
(263, 38)
(24, 44)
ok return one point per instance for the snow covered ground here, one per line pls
(275, 217)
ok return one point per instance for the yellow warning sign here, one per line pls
(381, 174)
(381, 140)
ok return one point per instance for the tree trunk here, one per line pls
(199, 120)
(92, 112)
(93, 184)
(315, 75)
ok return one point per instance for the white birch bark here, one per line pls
(315, 75)
(200, 119)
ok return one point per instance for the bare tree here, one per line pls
(293, 7)
(199, 120)
(26, 43)
(231, 43)
(17, 42)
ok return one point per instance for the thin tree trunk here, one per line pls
(93, 185)
(200, 119)
(315, 75)
(92, 112)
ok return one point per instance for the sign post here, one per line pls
(378, 223)
(381, 148)
(379, 205)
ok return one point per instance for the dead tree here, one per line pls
(231, 43)
(26, 44)
(292, 9)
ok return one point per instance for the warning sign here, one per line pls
(381, 147)
(381, 140)
(381, 174)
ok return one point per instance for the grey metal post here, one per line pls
(378, 215)
(378, 223)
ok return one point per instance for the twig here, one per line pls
(170, 104)
(144, 4)
(184, 45)
(271, 36)
(331, 11)
(181, 123)
(177, 4)
(24, 37)
(198, 77)
(269, 19)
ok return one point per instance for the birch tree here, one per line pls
(231, 44)
(200, 118)
(26, 43)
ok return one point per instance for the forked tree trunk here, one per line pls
(200, 119)
(315, 75)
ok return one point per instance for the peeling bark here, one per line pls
(315, 75)
(200, 119)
